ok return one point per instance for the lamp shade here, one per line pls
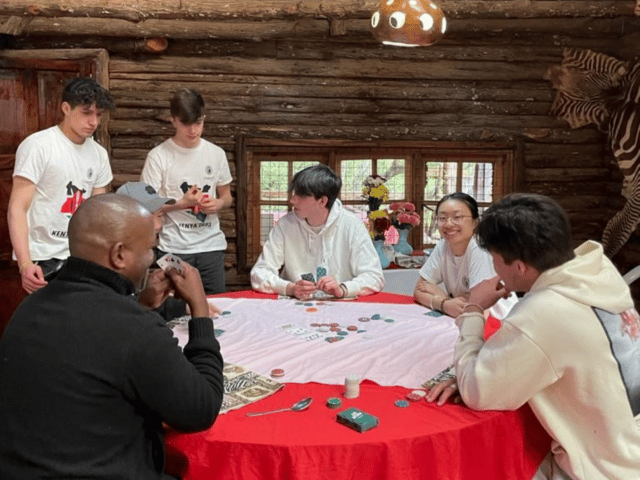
(408, 23)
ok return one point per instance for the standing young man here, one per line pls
(195, 171)
(56, 169)
(319, 245)
(570, 348)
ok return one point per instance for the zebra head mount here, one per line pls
(594, 88)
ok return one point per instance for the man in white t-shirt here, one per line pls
(196, 172)
(56, 169)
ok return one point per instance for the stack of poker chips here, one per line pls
(352, 386)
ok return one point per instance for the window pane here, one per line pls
(297, 166)
(353, 173)
(393, 171)
(431, 234)
(274, 180)
(269, 216)
(441, 179)
(477, 181)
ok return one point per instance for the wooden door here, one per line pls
(31, 83)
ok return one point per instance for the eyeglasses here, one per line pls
(456, 220)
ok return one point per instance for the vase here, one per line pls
(403, 245)
(384, 261)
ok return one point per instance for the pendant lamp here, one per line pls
(408, 23)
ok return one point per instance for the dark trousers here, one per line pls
(211, 268)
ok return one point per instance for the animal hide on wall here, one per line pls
(594, 88)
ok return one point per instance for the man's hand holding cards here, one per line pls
(187, 282)
(168, 261)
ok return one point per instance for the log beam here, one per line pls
(138, 10)
(240, 29)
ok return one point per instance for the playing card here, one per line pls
(321, 271)
(171, 261)
(308, 277)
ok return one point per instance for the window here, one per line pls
(419, 174)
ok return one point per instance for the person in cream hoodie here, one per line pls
(570, 348)
(319, 246)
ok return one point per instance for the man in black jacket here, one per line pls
(88, 375)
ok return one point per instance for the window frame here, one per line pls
(504, 156)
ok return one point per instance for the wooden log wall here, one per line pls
(272, 73)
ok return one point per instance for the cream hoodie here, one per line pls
(342, 247)
(554, 352)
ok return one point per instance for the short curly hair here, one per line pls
(86, 91)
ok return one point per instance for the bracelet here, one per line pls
(343, 287)
(24, 264)
(472, 305)
(431, 302)
(442, 304)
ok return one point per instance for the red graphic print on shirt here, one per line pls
(75, 197)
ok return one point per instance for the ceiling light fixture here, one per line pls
(408, 23)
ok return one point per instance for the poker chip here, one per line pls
(413, 397)
(334, 324)
(389, 320)
(343, 333)
(420, 393)
(375, 316)
(335, 329)
(352, 328)
(308, 304)
(277, 373)
(315, 325)
(324, 329)
(226, 312)
(401, 403)
(334, 402)
(312, 309)
(364, 319)
(299, 303)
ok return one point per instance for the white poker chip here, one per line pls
(420, 393)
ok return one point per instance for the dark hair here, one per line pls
(319, 181)
(187, 105)
(86, 91)
(527, 227)
(464, 198)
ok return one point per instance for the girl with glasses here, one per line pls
(457, 263)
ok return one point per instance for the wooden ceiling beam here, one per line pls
(139, 10)
(305, 28)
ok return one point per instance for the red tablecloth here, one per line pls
(422, 441)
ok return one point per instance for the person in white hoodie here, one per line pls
(319, 246)
(570, 348)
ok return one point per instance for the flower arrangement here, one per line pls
(375, 191)
(379, 224)
(404, 216)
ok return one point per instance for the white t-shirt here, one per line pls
(171, 170)
(458, 275)
(65, 174)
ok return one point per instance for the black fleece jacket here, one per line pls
(87, 376)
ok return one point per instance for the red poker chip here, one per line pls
(413, 397)
(335, 329)
(334, 324)
(352, 328)
(315, 325)
(277, 373)
(364, 319)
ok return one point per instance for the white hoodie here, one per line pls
(343, 247)
(578, 370)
